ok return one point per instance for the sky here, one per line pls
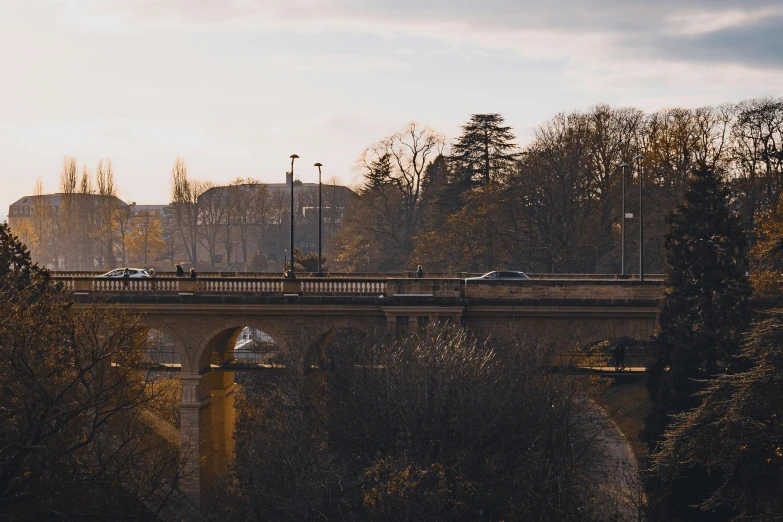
(237, 86)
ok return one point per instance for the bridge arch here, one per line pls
(171, 334)
(222, 337)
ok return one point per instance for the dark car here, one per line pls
(502, 275)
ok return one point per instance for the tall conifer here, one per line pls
(702, 317)
(704, 310)
(485, 149)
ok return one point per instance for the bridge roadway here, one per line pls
(204, 316)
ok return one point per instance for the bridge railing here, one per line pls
(227, 285)
(238, 285)
(343, 286)
(563, 290)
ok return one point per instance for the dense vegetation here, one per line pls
(484, 203)
(716, 393)
(432, 427)
(73, 441)
(442, 425)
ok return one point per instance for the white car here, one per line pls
(135, 273)
(500, 276)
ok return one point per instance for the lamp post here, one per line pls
(320, 220)
(625, 167)
(638, 159)
(291, 270)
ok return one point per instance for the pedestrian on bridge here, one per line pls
(193, 274)
(153, 275)
(420, 272)
(125, 277)
(180, 271)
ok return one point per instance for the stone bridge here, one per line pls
(203, 317)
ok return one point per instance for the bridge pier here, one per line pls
(206, 430)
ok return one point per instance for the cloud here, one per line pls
(758, 44)
(714, 31)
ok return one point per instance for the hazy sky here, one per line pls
(235, 87)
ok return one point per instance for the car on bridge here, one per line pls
(119, 272)
(502, 275)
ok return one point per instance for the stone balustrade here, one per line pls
(448, 288)
(226, 285)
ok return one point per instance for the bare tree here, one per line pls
(185, 207)
(73, 443)
(757, 155)
(107, 190)
(250, 213)
(123, 221)
(388, 215)
(213, 209)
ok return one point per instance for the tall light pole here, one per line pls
(638, 159)
(625, 167)
(320, 220)
(291, 270)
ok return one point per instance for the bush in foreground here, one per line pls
(72, 441)
(437, 427)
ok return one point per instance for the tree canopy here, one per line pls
(485, 150)
(734, 437)
(704, 309)
(702, 317)
(436, 426)
(73, 441)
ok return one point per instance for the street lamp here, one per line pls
(291, 270)
(626, 167)
(638, 159)
(320, 220)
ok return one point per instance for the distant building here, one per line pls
(245, 229)
(61, 230)
(235, 225)
(50, 204)
(162, 212)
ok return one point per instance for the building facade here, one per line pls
(243, 227)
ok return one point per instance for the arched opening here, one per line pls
(252, 348)
(240, 347)
(226, 350)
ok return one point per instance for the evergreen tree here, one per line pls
(702, 316)
(734, 438)
(379, 173)
(704, 309)
(484, 150)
